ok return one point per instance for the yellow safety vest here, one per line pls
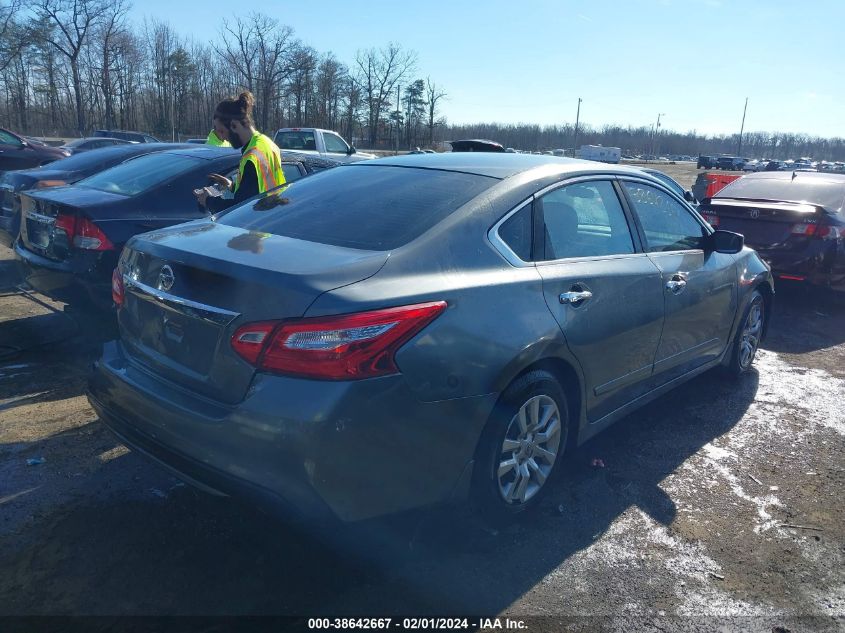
(267, 161)
(216, 141)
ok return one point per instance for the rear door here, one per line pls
(604, 292)
(699, 287)
(14, 154)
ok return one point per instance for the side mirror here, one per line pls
(351, 150)
(726, 242)
(689, 197)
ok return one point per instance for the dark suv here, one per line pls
(18, 152)
(135, 137)
(731, 163)
(706, 162)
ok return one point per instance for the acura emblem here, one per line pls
(754, 213)
(166, 278)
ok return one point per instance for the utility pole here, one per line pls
(742, 129)
(654, 135)
(577, 119)
(173, 103)
(397, 119)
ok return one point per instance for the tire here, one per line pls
(748, 335)
(501, 490)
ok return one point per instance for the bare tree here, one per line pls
(378, 71)
(12, 40)
(109, 30)
(74, 21)
(433, 96)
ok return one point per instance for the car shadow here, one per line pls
(805, 320)
(184, 552)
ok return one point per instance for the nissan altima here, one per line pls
(415, 330)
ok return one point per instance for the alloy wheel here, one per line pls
(529, 450)
(751, 331)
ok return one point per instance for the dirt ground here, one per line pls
(717, 507)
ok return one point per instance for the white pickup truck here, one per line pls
(324, 143)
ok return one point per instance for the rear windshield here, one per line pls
(140, 174)
(300, 140)
(94, 160)
(824, 191)
(368, 207)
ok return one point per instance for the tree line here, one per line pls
(68, 67)
(642, 140)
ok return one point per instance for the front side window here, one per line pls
(584, 220)
(335, 144)
(667, 224)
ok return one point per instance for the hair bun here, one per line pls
(246, 101)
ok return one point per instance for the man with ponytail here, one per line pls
(260, 168)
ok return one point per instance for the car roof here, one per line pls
(498, 164)
(206, 152)
(817, 176)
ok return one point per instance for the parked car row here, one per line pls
(69, 220)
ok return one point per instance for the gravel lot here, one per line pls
(686, 526)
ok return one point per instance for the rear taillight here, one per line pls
(83, 233)
(822, 231)
(345, 347)
(712, 220)
(117, 288)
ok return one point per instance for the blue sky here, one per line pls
(529, 61)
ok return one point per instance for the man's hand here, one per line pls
(221, 180)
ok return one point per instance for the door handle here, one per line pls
(677, 284)
(575, 297)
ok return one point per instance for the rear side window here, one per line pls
(667, 224)
(140, 174)
(517, 233)
(291, 172)
(367, 207)
(585, 220)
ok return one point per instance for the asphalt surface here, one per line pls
(717, 507)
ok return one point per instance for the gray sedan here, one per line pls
(409, 331)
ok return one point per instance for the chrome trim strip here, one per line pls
(186, 307)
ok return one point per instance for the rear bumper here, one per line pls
(821, 264)
(82, 279)
(351, 450)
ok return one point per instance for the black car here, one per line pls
(706, 162)
(136, 137)
(476, 145)
(79, 145)
(795, 220)
(19, 152)
(71, 236)
(61, 172)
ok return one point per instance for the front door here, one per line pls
(699, 286)
(605, 293)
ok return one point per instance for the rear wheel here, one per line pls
(748, 335)
(520, 450)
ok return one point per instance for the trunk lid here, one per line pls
(39, 211)
(188, 288)
(765, 224)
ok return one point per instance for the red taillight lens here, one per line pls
(83, 233)
(117, 289)
(345, 347)
(249, 340)
(804, 229)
